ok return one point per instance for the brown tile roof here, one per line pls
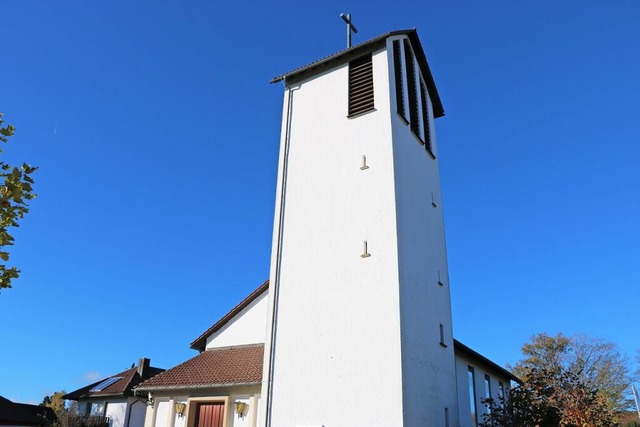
(212, 368)
(130, 378)
(200, 342)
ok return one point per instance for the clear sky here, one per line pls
(156, 132)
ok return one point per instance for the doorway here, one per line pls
(210, 414)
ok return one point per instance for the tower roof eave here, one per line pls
(367, 46)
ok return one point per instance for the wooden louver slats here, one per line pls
(397, 68)
(414, 120)
(360, 85)
(426, 131)
(412, 96)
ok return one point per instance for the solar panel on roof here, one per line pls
(104, 384)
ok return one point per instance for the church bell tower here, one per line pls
(359, 330)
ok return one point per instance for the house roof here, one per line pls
(128, 379)
(365, 47)
(459, 347)
(201, 342)
(22, 414)
(226, 366)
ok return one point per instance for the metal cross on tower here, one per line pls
(350, 27)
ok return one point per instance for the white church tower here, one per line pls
(359, 329)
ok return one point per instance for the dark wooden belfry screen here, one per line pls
(426, 132)
(397, 68)
(414, 120)
(360, 85)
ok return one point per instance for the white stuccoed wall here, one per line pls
(246, 328)
(179, 421)
(248, 419)
(137, 412)
(462, 368)
(357, 339)
(116, 411)
(429, 384)
(82, 407)
(162, 413)
(338, 335)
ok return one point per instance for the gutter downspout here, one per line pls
(276, 281)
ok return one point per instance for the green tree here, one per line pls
(598, 364)
(16, 190)
(550, 398)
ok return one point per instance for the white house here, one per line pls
(204, 390)
(110, 402)
(221, 385)
(478, 378)
(354, 326)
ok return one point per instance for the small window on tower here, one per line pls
(360, 85)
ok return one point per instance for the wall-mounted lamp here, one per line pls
(149, 399)
(180, 407)
(239, 406)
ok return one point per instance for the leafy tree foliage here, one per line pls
(59, 406)
(550, 398)
(55, 402)
(15, 193)
(597, 363)
(629, 419)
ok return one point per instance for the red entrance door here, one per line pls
(210, 414)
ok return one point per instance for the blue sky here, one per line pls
(156, 132)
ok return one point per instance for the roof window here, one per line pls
(104, 384)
